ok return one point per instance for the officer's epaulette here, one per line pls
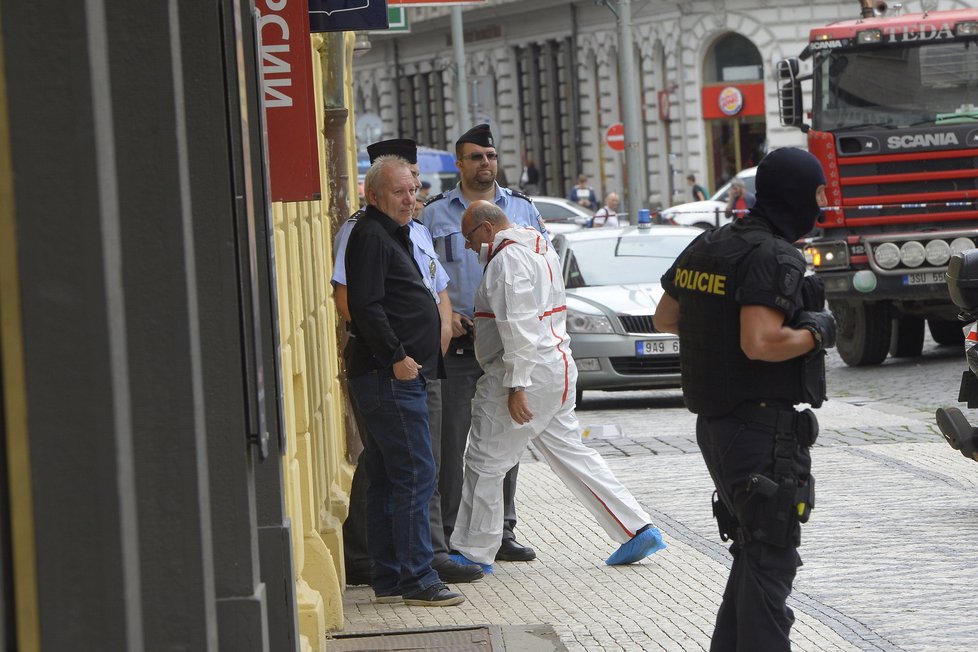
(517, 193)
(430, 200)
(357, 215)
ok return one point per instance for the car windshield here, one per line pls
(623, 260)
(932, 83)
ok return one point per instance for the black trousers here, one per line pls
(753, 615)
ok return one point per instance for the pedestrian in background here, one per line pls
(476, 156)
(394, 344)
(699, 192)
(530, 179)
(740, 200)
(607, 215)
(527, 392)
(424, 191)
(583, 194)
(753, 331)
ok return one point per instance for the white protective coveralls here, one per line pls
(521, 341)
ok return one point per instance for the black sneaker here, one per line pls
(436, 595)
(454, 573)
(511, 550)
(389, 598)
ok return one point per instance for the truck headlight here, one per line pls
(938, 252)
(961, 244)
(869, 36)
(827, 255)
(887, 255)
(579, 322)
(912, 253)
(969, 28)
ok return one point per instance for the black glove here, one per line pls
(822, 326)
(813, 293)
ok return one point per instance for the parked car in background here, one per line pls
(612, 278)
(708, 213)
(560, 215)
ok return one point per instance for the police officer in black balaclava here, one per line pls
(753, 330)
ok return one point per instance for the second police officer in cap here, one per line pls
(753, 332)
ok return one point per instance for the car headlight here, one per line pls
(579, 322)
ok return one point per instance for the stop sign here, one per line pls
(616, 137)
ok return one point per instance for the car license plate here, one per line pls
(657, 347)
(924, 278)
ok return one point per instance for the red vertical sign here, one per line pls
(289, 100)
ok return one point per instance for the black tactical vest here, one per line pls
(717, 376)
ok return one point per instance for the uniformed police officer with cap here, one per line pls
(476, 159)
(753, 330)
(357, 560)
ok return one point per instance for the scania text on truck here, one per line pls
(894, 121)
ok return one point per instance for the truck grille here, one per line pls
(637, 324)
(910, 188)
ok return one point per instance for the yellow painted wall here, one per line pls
(317, 475)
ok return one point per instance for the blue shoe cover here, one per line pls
(638, 547)
(459, 558)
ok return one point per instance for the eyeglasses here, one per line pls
(478, 156)
(474, 229)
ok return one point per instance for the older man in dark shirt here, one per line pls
(395, 341)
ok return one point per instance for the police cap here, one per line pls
(403, 147)
(479, 135)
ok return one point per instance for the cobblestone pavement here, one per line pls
(887, 552)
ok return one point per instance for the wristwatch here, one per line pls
(817, 334)
(513, 390)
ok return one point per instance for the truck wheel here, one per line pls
(908, 337)
(863, 332)
(946, 333)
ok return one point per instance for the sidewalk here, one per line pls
(887, 553)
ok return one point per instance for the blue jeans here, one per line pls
(400, 470)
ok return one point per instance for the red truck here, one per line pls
(894, 121)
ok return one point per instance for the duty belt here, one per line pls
(780, 416)
(461, 346)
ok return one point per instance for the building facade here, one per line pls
(175, 469)
(545, 74)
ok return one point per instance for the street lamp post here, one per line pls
(635, 180)
(462, 91)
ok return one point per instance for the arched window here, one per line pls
(733, 58)
(733, 107)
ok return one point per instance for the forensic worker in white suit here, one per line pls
(528, 391)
